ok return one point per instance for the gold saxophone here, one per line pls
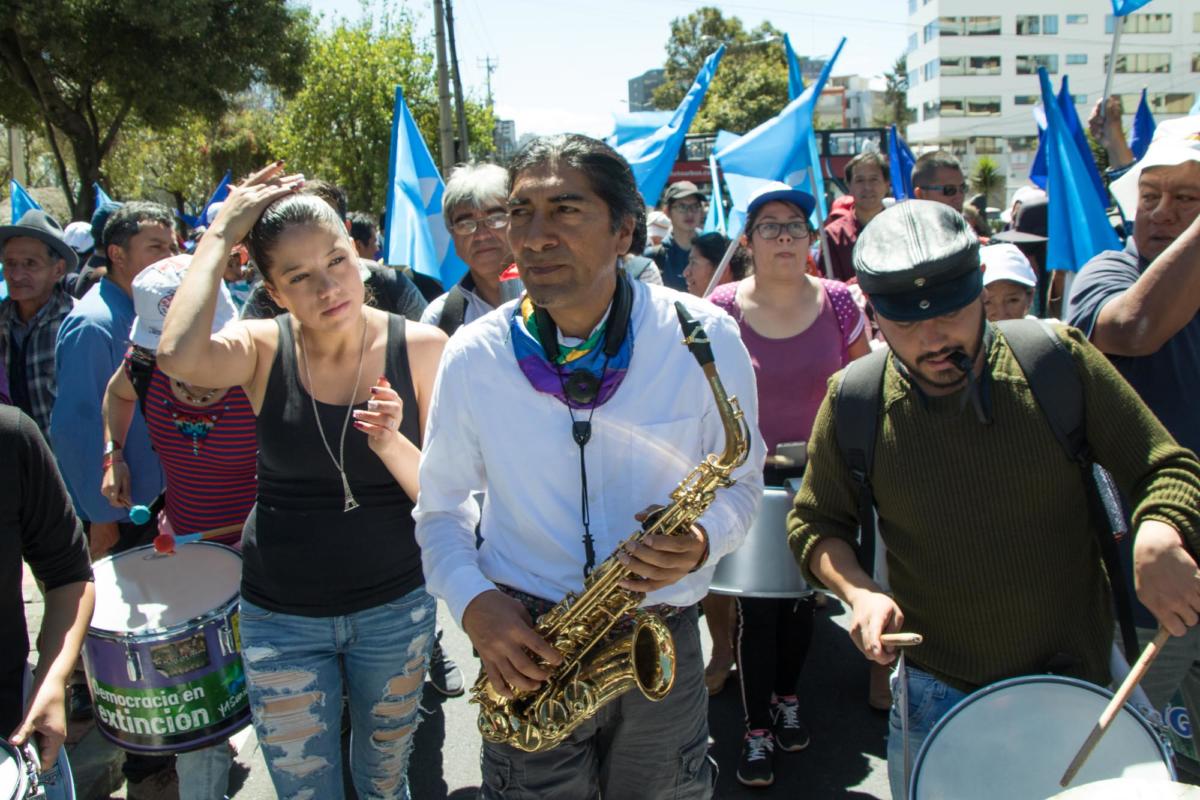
(595, 670)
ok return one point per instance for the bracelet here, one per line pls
(110, 459)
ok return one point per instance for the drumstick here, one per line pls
(1110, 711)
(901, 639)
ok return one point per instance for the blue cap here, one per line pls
(781, 192)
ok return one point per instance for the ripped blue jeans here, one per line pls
(296, 668)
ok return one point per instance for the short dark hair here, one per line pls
(288, 212)
(331, 193)
(362, 227)
(713, 245)
(606, 171)
(868, 158)
(930, 163)
(124, 223)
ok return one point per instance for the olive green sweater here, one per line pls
(990, 550)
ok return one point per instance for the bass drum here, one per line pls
(1014, 739)
(764, 565)
(163, 651)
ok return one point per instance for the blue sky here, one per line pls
(564, 64)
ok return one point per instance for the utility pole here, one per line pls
(460, 107)
(445, 121)
(489, 65)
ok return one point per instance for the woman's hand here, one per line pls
(381, 421)
(246, 201)
(115, 485)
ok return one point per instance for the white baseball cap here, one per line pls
(1175, 141)
(78, 236)
(212, 212)
(658, 223)
(153, 290)
(1006, 262)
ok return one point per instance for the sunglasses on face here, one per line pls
(948, 189)
(772, 230)
(466, 227)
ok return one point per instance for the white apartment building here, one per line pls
(972, 69)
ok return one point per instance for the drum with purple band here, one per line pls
(162, 653)
(18, 772)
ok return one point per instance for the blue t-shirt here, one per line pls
(1168, 380)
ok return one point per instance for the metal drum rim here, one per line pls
(992, 688)
(18, 758)
(170, 631)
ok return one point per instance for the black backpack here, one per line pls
(140, 369)
(454, 310)
(1058, 390)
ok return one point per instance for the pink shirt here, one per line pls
(792, 373)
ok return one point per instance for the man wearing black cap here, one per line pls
(1028, 233)
(35, 259)
(991, 554)
(684, 204)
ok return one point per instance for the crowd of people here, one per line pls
(372, 442)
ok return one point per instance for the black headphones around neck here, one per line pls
(581, 385)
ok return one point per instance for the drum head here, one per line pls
(140, 591)
(1127, 789)
(1014, 740)
(12, 775)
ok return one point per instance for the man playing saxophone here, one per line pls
(576, 409)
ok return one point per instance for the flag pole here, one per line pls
(1118, 26)
(812, 181)
(719, 272)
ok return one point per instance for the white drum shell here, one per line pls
(764, 565)
(1014, 739)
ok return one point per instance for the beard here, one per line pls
(945, 378)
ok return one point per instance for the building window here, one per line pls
(1029, 25)
(930, 109)
(1142, 62)
(1160, 102)
(1027, 99)
(1141, 23)
(952, 106)
(912, 7)
(1196, 22)
(987, 144)
(912, 42)
(930, 70)
(1050, 24)
(1017, 144)
(931, 31)
(1076, 58)
(967, 26)
(1077, 19)
(970, 65)
(1028, 65)
(985, 106)
(1195, 62)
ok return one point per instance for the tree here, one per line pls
(81, 71)
(750, 86)
(895, 98)
(988, 179)
(338, 126)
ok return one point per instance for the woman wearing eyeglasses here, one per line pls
(799, 330)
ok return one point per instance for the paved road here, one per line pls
(845, 759)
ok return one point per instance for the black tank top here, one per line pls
(303, 554)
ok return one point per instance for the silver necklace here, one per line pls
(340, 461)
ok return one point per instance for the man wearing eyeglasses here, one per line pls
(475, 214)
(938, 176)
(684, 205)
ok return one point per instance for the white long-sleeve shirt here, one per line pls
(490, 431)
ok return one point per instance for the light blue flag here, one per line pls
(1143, 129)
(1078, 226)
(102, 197)
(652, 157)
(780, 149)
(636, 125)
(795, 89)
(901, 161)
(21, 201)
(1066, 104)
(715, 221)
(1123, 8)
(416, 234)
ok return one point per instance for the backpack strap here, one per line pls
(1054, 380)
(454, 311)
(856, 424)
(139, 367)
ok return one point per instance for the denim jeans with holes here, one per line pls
(928, 701)
(294, 672)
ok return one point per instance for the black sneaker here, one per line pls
(756, 764)
(790, 732)
(444, 674)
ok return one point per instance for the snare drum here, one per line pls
(18, 772)
(1014, 739)
(162, 653)
(764, 565)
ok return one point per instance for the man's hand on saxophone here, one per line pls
(502, 633)
(662, 560)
